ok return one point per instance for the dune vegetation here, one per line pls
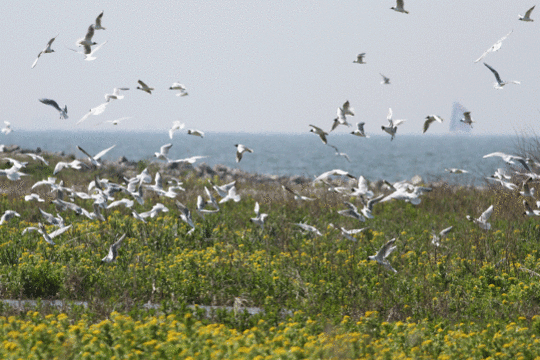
(477, 295)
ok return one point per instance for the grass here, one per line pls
(478, 295)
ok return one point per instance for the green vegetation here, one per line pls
(475, 296)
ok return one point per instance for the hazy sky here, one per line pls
(270, 66)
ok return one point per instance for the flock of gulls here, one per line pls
(106, 194)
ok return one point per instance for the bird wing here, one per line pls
(35, 61)
(429, 120)
(494, 73)
(142, 84)
(389, 116)
(257, 208)
(528, 13)
(400, 3)
(51, 103)
(445, 232)
(486, 214)
(98, 19)
(374, 201)
(386, 249)
(497, 153)
(165, 149)
(84, 152)
(117, 244)
(59, 231)
(89, 33)
(103, 152)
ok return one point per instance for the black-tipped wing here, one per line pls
(51, 103)
(494, 73)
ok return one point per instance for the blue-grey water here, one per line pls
(297, 154)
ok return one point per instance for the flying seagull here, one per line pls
(195, 133)
(527, 16)
(144, 87)
(177, 125)
(87, 40)
(181, 89)
(95, 159)
(494, 47)
(7, 129)
(9, 214)
(115, 95)
(429, 120)
(240, 150)
(456, 171)
(113, 250)
(322, 134)
(467, 120)
(392, 125)
(499, 84)
(383, 253)
(63, 113)
(47, 50)
(360, 59)
(436, 239)
(94, 111)
(360, 130)
(48, 237)
(88, 52)
(399, 7)
(98, 22)
(386, 81)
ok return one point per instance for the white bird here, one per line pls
(338, 153)
(47, 50)
(527, 16)
(352, 211)
(456, 171)
(113, 250)
(177, 125)
(368, 206)
(506, 184)
(349, 233)
(231, 195)
(223, 189)
(337, 172)
(181, 89)
(482, 221)
(12, 173)
(115, 121)
(386, 81)
(144, 87)
(494, 47)
(190, 160)
(115, 94)
(360, 58)
(499, 84)
(163, 152)
(63, 112)
(360, 130)
(309, 228)
(526, 191)
(297, 195)
(240, 150)
(322, 134)
(529, 211)
(156, 209)
(57, 221)
(340, 119)
(33, 196)
(87, 40)
(347, 109)
(47, 236)
(88, 52)
(429, 120)
(16, 163)
(392, 125)
(383, 253)
(259, 217)
(36, 157)
(467, 120)
(94, 111)
(98, 22)
(185, 215)
(137, 216)
(8, 214)
(436, 239)
(399, 7)
(362, 189)
(95, 159)
(509, 159)
(75, 164)
(126, 202)
(7, 129)
(195, 133)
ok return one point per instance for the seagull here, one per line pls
(509, 159)
(190, 160)
(185, 215)
(456, 171)
(63, 113)
(180, 87)
(241, 149)
(48, 237)
(368, 207)
(528, 210)
(399, 7)
(322, 134)
(75, 164)
(94, 111)
(87, 40)
(349, 233)
(437, 238)
(383, 253)
(113, 250)
(98, 22)
(259, 218)
(144, 87)
(297, 196)
(386, 81)
(309, 228)
(163, 152)
(482, 221)
(57, 221)
(36, 157)
(95, 159)
(362, 189)
(527, 16)
(223, 189)
(7, 129)
(340, 153)
(526, 191)
(126, 202)
(33, 196)
(16, 163)
(156, 209)
(494, 47)
(47, 50)
(341, 119)
(467, 120)
(195, 133)
(352, 211)
(347, 109)
(231, 195)
(116, 94)
(115, 121)
(392, 125)
(177, 125)
(88, 52)
(8, 215)
(506, 184)
(137, 216)
(326, 175)
(429, 120)
(360, 130)
(499, 84)
(12, 173)
(360, 58)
